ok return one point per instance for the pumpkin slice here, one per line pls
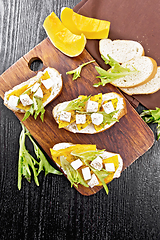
(66, 152)
(70, 44)
(114, 102)
(113, 159)
(63, 124)
(92, 28)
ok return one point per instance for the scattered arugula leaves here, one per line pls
(76, 72)
(152, 116)
(27, 162)
(116, 71)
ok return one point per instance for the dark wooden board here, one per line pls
(131, 137)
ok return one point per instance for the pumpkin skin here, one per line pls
(92, 28)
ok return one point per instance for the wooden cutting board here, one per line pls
(131, 137)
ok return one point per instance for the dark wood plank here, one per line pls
(54, 210)
(131, 137)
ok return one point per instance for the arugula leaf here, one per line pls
(88, 156)
(116, 71)
(108, 117)
(43, 163)
(39, 108)
(27, 162)
(76, 104)
(152, 116)
(76, 72)
(102, 174)
(73, 175)
(36, 108)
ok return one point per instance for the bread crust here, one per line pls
(30, 82)
(150, 87)
(152, 74)
(90, 128)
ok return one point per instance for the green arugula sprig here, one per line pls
(73, 175)
(27, 162)
(116, 71)
(35, 109)
(152, 116)
(76, 72)
(88, 156)
(76, 104)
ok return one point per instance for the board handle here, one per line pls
(36, 64)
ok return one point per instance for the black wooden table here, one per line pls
(54, 210)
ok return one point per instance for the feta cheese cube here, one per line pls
(65, 116)
(48, 83)
(13, 101)
(25, 100)
(86, 173)
(76, 164)
(94, 181)
(39, 93)
(92, 106)
(97, 163)
(35, 87)
(97, 118)
(80, 118)
(110, 167)
(108, 107)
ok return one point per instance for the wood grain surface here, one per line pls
(54, 210)
(130, 137)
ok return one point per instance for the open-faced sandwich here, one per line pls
(84, 164)
(31, 96)
(90, 114)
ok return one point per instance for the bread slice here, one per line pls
(146, 69)
(65, 149)
(55, 90)
(90, 129)
(120, 50)
(147, 88)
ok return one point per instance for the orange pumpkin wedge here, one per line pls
(92, 28)
(68, 43)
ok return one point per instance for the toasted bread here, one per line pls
(72, 153)
(53, 92)
(88, 127)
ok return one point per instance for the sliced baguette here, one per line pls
(148, 88)
(90, 129)
(146, 69)
(55, 76)
(120, 50)
(105, 155)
